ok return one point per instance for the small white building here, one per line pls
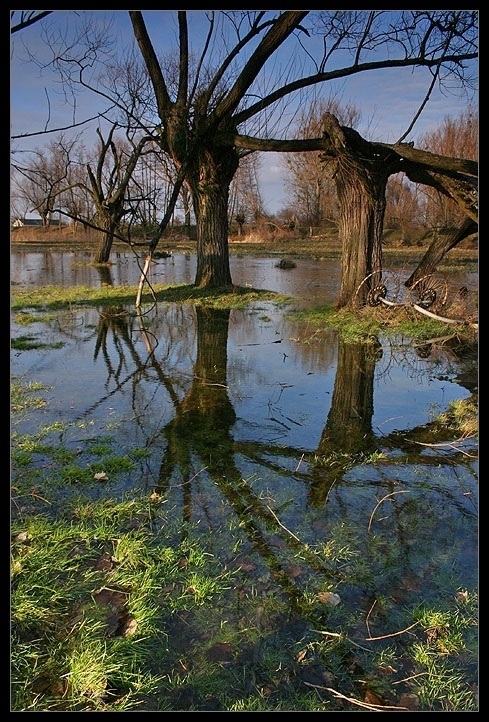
(20, 223)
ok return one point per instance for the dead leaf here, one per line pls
(411, 701)
(101, 476)
(105, 562)
(293, 571)
(129, 627)
(329, 598)
(372, 698)
(22, 537)
(110, 596)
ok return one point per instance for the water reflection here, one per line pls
(275, 439)
(311, 280)
(235, 402)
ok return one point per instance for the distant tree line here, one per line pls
(66, 179)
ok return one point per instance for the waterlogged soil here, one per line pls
(271, 436)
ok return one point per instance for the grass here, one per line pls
(50, 298)
(367, 325)
(116, 606)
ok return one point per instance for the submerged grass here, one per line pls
(118, 605)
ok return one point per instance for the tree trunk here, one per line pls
(212, 239)
(360, 175)
(104, 247)
(210, 181)
(362, 201)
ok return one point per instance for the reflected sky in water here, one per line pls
(215, 398)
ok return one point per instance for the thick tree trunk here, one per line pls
(102, 254)
(212, 239)
(362, 202)
(210, 180)
(104, 247)
(360, 176)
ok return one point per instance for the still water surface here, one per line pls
(258, 399)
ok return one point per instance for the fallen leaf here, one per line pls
(105, 562)
(101, 476)
(329, 598)
(22, 537)
(293, 571)
(411, 701)
(129, 627)
(372, 698)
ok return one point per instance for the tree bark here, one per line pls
(209, 180)
(361, 181)
(104, 247)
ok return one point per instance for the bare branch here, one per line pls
(27, 18)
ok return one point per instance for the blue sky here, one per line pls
(387, 99)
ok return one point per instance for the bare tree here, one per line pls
(245, 200)
(403, 207)
(75, 201)
(361, 173)
(226, 102)
(44, 176)
(199, 128)
(108, 186)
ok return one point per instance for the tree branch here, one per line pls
(147, 51)
(342, 73)
(285, 24)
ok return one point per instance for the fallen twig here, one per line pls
(338, 695)
(403, 491)
(299, 463)
(280, 524)
(342, 638)
(394, 634)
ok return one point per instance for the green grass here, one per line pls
(49, 298)
(367, 325)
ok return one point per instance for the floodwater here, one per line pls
(253, 410)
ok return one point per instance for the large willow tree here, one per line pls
(233, 87)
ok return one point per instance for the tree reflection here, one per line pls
(105, 274)
(201, 434)
(201, 427)
(199, 447)
(348, 431)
